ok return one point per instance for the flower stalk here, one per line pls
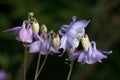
(70, 71)
(38, 73)
(38, 63)
(25, 61)
(45, 59)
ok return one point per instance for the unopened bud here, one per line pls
(85, 42)
(56, 41)
(43, 28)
(31, 14)
(35, 26)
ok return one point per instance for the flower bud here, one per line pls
(85, 42)
(31, 14)
(35, 26)
(56, 41)
(43, 28)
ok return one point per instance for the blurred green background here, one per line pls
(104, 28)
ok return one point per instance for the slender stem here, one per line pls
(38, 63)
(71, 66)
(42, 66)
(43, 62)
(25, 61)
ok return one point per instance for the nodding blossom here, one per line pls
(43, 44)
(70, 33)
(23, 33)
(90, 54)
(42, 48)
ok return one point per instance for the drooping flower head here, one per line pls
(90, 54)
(70, 33)
(27, 31)
(43, 44)
(23, 33)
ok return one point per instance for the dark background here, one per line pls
(104, 28)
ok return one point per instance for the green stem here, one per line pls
(38, 63)
(25, 61)
(41, 67)
(71, 66)
(43, 62)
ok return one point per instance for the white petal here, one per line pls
(63, 42)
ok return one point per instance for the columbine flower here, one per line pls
(3, 75)
(92, 55)
(23, 33)
(37, 46)
(70, 33)
(42, 44)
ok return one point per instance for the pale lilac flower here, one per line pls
(42, 46)
(70, 33)
(3, 75)
(23, 33)
(91, 56)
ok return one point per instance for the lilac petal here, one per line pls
(45, 47)
(89, 59)
(73, 43)
(34, 47)
(14, 31)
(43, 50)
(81, 32)
(72, 33)
(23, 35)
(29, 33)
(74, 56)
(105, 52)
(82, 55)
(61, 33)
(79, 25)
(17, 38)
(74, 18)
(99, 55)
(71, 39)
(37, 37)
(94, 55)
(64, 28)
(53, 50)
